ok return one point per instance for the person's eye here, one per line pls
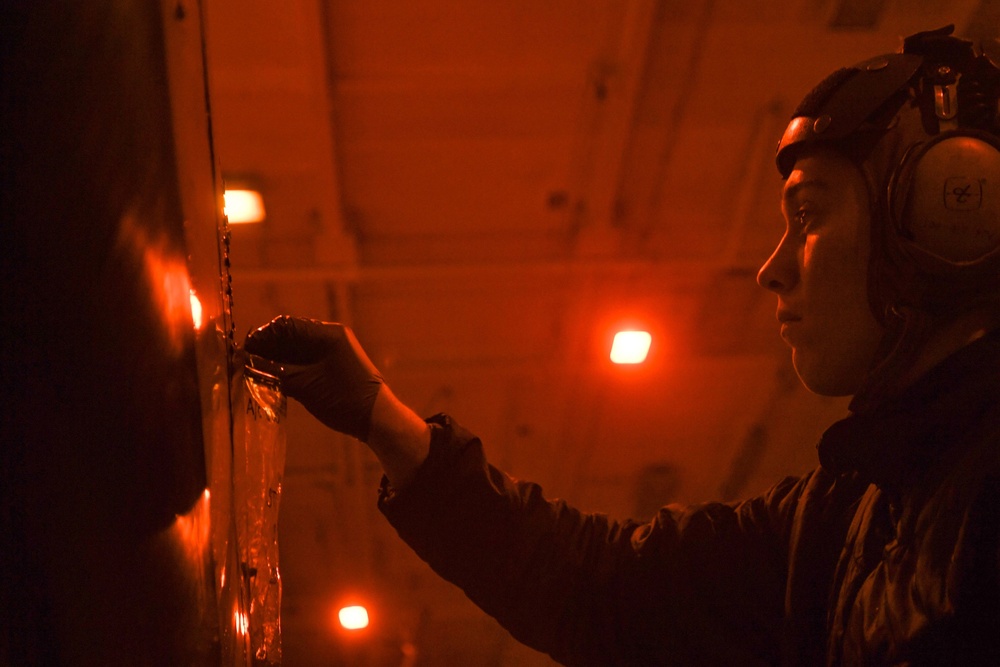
(804, 217)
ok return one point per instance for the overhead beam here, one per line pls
(616, 82)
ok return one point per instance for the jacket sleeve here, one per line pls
(695, 585)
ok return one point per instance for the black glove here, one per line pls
(322, 365)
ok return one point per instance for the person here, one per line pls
(888, 287)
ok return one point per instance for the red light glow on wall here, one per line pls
(196, 311)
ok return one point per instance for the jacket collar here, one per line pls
(894, 444)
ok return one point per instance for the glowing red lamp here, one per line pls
(630, 347)
(354, 617)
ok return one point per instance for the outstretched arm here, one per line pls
(322, 365)
(398, 437)
(581, 587)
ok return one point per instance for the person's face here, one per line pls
(819, 272)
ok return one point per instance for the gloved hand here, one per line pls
(321, 365)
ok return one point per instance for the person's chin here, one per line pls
(817, 377)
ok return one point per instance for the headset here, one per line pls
(943, 193)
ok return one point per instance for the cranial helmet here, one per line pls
(922, 126)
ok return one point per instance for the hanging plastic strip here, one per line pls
(259, 443)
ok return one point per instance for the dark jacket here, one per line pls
(887, 553)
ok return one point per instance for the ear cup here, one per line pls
(952, 199)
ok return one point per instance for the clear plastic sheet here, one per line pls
(259, 441)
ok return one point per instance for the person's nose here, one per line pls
(779, 274)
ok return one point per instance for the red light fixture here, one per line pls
(243, 206)
(353, 617)
(630, 347)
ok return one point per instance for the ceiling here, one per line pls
(485, 192)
